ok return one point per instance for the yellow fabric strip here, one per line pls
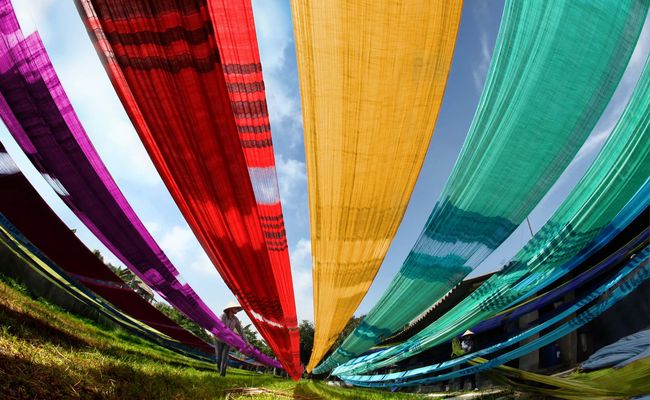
(372, 77)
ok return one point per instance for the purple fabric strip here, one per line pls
(37, 112)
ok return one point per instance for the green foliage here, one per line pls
(307, 337)
(128, 277)
(349, 328)
(135, 283)
(306, 329)
(251, 336)
(183, 321)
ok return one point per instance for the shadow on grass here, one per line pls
(304, 390)
(27, 327)
(22, 379)
(320, 390)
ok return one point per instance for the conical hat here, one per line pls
(467, 333)
(232, 304)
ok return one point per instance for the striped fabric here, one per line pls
(38, 113)
(546, 319)
(234, 29)
(628, 279)
(188, 75)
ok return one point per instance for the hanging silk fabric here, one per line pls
(190, 81)
(593, 290)
(154, 325)
(619, 381)
(616, 188)
(636, 209)
(24, 212)
(555, 67)
(630, 382)
(370, 98)
(535, 303)
(641, 274)
(630, 237)
(615, 250)
(634, 272)
(234, 29)
(37, 112)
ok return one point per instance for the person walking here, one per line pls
(232, 322)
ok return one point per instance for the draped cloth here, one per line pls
(555, 67)
(188, 75)
(614, 190)
(628, 240)
(37, 112)
(634, 273)
(24, 212)
(370, 98)
(610, 383)
(587, 291)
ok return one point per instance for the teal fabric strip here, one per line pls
(628, 269)
(555, 67)
(638, 265)
(618, 176)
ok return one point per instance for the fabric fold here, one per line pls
(39, 115)
(554, 69)
(189, 77)
(614, 191)
(370, 99)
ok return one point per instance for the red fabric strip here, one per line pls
(171, 81)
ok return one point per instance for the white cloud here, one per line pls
(275, 38)
(480, 70)
(292, 178)
(284, 108)
(202, 265)
(301, 262)
(90, 90)
(640, 55)
(130, 162)
(182, 247)
(620, 98)
(592, 144)
(177, 241)
(481, 13)
(32, 14)
(273, 33)
(153, 227)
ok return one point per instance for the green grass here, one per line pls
(46, 353)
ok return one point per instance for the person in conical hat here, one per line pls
(232, 322)
(468, 345)
(232, 306)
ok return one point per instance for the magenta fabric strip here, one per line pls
(38, 113)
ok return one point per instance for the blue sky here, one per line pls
(99, 109)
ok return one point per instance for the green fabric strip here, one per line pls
(555, 67)
(617, 176)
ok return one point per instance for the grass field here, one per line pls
(46, 353)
